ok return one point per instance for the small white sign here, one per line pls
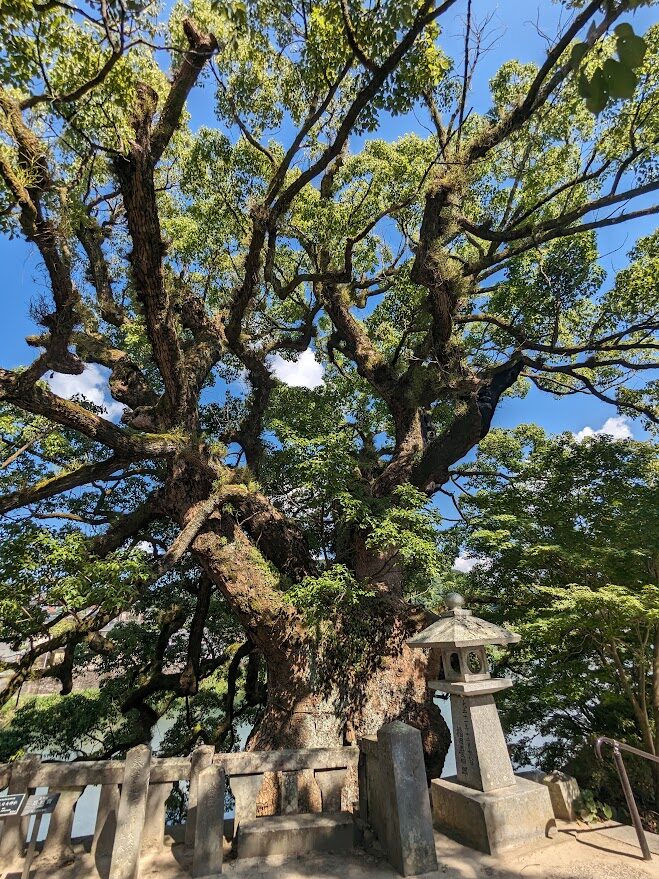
(40, 804)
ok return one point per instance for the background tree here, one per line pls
(429, 276)
(568, 533)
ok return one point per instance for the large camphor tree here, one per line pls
(239, 518)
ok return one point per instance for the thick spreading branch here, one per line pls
(91, 237)
(546, 80)
(466, 430)
(42, 231)
(135, 173)
(136, 178)
(23, 670)
(60, 483)
(202, 46)
(40, 401)
(131, 526)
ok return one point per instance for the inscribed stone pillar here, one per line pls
(200, 759)
(209, 839)
(481, 755)
(130, 817)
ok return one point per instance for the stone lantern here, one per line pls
(485, 805)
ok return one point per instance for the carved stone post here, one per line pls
(130, 818)
(200, 759)
(330, 782)
(209, 839)
(153, 837)
(106, 821)
(396, 798)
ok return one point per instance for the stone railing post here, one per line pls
(371, 804)
(289, 789)
(200, 758)
(330, 782)
(15, 829)
(131, 813)
(397, 798)
(209, 831)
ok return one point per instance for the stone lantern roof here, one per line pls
(459, 628)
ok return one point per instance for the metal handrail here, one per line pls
(626, 786)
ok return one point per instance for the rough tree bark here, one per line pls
(320, 693)
(316, 699)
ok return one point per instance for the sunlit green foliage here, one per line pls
(568, 534)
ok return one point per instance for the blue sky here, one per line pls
(515, 31)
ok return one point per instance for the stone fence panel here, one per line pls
(130, 819)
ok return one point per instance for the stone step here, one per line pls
(627, 834)
(295, 834)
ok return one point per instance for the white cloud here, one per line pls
(616, 427)
(305, 372)
(465, 563)
(92, 385)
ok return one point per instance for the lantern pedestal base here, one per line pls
(495, 821)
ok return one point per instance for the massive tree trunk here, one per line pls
(329, 692)
(331, 683)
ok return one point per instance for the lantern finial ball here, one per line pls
(453, 600)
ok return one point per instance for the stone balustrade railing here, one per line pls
(131, 810)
